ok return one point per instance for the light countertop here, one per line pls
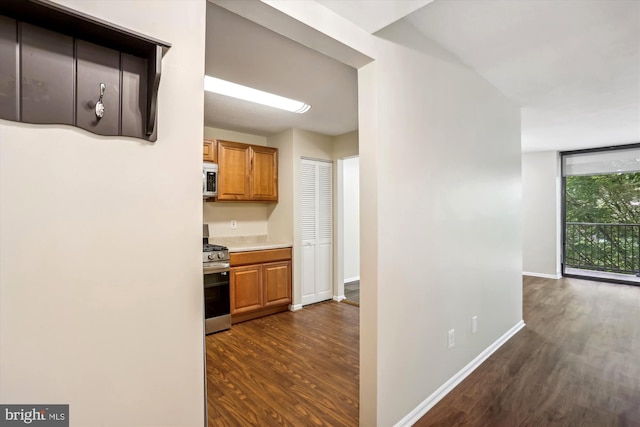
(249, 243)
(263, 246)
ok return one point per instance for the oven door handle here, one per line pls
(220, 268)
(216, 285)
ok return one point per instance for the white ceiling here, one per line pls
(572, 65)
(243, 52)
(373, 15)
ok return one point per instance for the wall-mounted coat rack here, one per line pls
(60, 66)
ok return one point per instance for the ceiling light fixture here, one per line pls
(223, 87)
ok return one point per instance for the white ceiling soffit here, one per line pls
(574, 66)
(241, 51)
(269, 17)
(373, 15)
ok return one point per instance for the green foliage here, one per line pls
(609, 199)
(601, 200)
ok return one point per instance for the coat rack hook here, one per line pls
(100, 104)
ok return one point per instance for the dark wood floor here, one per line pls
(577, 363)
(292, 369)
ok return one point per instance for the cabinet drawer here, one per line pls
(260, 257)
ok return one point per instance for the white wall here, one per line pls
(281, 214)
(100, 273)
(541, 213)
(441, 184)
(450, 198)
(351, 218)
(250, 218)
(345, 145)
(370, 163)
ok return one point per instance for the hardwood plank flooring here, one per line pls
(290, 369)
(577, 363)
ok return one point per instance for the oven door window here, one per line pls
(216, 294)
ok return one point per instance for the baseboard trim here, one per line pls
(413, 416)
(543, 275)
(352, 279)
(339, 298)
(295, 307)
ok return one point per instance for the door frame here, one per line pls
(339, 253)
(563, 210)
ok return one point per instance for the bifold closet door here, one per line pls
(316, 212)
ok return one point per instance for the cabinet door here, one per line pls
(264, 173)
(209, 151)
(277, 283)
(233, 173)
(246, 288)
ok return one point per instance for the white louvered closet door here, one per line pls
(316, 205)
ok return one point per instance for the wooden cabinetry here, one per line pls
(247, 172)
(209, 151)
(260, 283)
(263, 179)
(276, 278)
(246, 294)
(234, 167)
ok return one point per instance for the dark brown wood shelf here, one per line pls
(53, 60)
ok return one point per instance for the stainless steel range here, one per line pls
(217, 303)
(214, 257)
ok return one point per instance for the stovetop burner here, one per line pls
(213, 248)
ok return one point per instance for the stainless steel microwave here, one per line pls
(210, 180)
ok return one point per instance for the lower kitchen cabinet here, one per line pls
(277, 283)
(246, 289)
(260, 283)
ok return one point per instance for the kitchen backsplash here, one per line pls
(238, 240)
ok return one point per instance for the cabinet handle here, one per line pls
(100, 104)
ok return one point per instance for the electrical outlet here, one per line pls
(452, 338)
(234, 224)
(474, 324)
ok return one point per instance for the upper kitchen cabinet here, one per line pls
(210, 151)
(247, 172)
(60, 66)
(264, 173)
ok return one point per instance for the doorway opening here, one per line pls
(349, 182)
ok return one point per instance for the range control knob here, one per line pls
(220, 255)
(211, 256)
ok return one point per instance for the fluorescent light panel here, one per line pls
(234, 90)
